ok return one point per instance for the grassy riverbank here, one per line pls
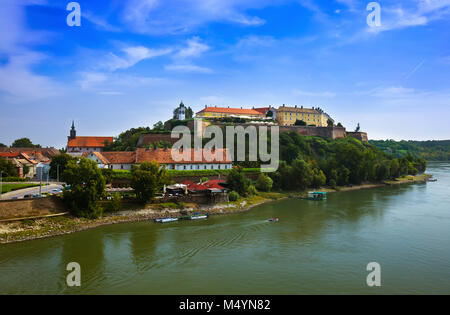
(13, 187)
(47, 227)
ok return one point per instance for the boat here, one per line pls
(195, 216)
(273, 219)
(432, 180)
(166, 220)
(199, 216)
(316, 195)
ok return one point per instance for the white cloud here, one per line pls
(114, 83)
(131, 56)
(180, 16)
(194, 48)
(325, 94)
(187, 68)
(100, 22)
(18, 82)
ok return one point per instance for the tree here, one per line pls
(2, 145)
(233, 196)
(189, 113)
(25, 169)
(87, 187)
(340, 125)
(115, 204)
(300, 122)
(7, 168)
(24, 143)
(159, 126)
(58, 164)
(264, 183)
(330, 123)
(318, 179)
(237, 182)
(302, 174)
(147, 179)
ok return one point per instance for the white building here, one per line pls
(78, 145)
(124, 160)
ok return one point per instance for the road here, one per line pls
(29, 191)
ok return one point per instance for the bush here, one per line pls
(237, 181)
(264, 183)
(333, 184)
(204, 179)
(252, 190)
(115, 204)
(13, 179)
(233, 196)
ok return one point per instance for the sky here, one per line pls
(130, 63)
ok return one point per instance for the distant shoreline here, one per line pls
(57, 226)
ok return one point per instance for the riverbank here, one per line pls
(56, 226)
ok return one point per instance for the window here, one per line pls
(121, 167)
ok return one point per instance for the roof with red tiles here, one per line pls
(89, 142)
(162, 156)
(165, 156)
(117, 157)
(262, 110)
(211, 184)
(227, 110)
(47, 152)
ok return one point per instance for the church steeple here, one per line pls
(73, 132)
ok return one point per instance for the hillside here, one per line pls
(433, 150)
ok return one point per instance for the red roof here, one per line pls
(162, 156)
(117, 157)
(262, 110)
(227, 110)
(89, 142)
(211, 184)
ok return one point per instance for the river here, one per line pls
(316, 247)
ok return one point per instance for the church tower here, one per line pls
(181, 111)
(73, 132)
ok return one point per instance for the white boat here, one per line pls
(199, 217)
(166, 220)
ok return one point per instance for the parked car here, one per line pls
(27, 196)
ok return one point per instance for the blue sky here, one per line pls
(131, 62)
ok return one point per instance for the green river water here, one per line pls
(316, 247)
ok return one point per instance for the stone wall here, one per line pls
(21, 208)
(362, 136)
(325, 132)
(150, 138)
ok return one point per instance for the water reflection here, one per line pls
(317, 247)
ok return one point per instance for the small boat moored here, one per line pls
(195, 216)
(316, 195)
(166, 220)
(273, 219)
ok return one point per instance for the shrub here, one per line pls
(264, 183)
(252, 190)
(333, 183)
(13, 179)
(115, 204)
(233, 196)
